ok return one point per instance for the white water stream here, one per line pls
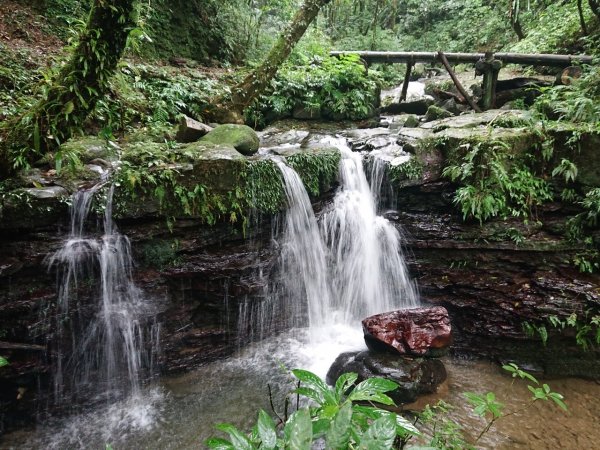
(101, 312)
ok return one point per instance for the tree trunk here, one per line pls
(257, 81)
(74, 90)
(595, 6)
(581, 17)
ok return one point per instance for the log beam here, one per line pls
(541, 59)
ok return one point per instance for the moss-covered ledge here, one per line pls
(209, 182)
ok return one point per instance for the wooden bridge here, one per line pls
(487, 64)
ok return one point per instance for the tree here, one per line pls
(595, 6)
(72, 93)
(257, 81)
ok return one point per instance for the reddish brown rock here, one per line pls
(418, 331)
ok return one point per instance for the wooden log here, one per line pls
(18, 346)
(459, 86)
(542, 59)
(409, 67)
(446, 95)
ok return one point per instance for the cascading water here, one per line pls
(332, 275)
(105, 340)
(368, 272)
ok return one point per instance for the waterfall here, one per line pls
(105, 340)
(367, 267)
(347, 265)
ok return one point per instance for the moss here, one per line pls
(410, 170)
(263, 186)
(160, 253)
(241, 137)
(318, 168)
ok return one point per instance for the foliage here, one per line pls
(495, 183)
(338, 416)
(409, 170)
(317, 171)
(160, 172)
(348, 416)
(486, 405)
(553, 28)
(3, 361)
(337, 87)
(207, 31)
(585, 327)
(578, 102)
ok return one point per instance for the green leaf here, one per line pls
(266, 430)
(373, 389)
(68, 108)
(312, 381)
(339, 433)
(404, 426)
(343, 383)
(238, 440)
(380, 435)
(219, 444)
(3, 362)
(298, 431)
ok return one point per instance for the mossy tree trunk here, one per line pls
(72, 93)
(257, 81)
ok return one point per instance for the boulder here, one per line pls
(418, 106)
(88, 148)
(241, 137)
(191, 130)
(418, 331)
(415, 376)
(436, 113)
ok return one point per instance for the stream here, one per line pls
(180, 412)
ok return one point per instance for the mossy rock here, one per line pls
(436, 113)
(241, 137)
(88, 148)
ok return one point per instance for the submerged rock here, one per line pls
(241, 137)
(418, 331)
(415, 376)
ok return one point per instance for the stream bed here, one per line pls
(180, 412)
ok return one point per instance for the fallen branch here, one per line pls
(459, 86)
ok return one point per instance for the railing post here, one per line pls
(489, 68)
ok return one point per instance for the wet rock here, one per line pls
(241, 137)
(191, 130)
(475, 120)
(411, 121)
(415, 376)
(273, 137)
(47, 193)
(418, 331)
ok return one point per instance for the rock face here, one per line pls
(415, 376)
(418, 331)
